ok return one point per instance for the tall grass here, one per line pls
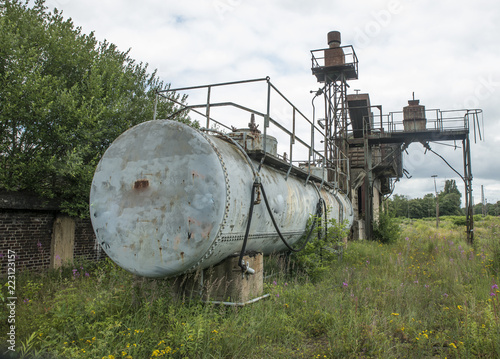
(427, 294)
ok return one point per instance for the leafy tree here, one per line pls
(64, 97)
(450, 186)
(492, 209)
(416, 208)
(429, 205)
(449, 199)
(449, 203)
(398, 206)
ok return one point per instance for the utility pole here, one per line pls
(437, 201)
(483, 202)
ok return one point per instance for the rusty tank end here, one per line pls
(167, 199)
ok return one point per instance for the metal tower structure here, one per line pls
(355, 143)
(333, 67)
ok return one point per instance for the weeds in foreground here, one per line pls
(427, 294)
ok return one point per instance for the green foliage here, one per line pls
(386, 229)
(459, 220)
(449, 203)
(64, 98)
(324, 246)
(491, 209)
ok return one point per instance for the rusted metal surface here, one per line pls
(167, 199)
(334, 56)
(141, 184)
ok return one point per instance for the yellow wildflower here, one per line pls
(395, 314)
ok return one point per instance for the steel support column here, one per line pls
(469, 212)
(368, 189)
(336, 127)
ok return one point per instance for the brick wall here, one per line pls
(85, 243)
(26, 227)
(27, 233)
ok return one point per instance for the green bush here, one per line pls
(324, 247)
(386, 229)
(459, 220)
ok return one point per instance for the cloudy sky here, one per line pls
(447, 52)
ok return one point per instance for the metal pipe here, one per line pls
(237, 304)
(266, 123)
(216, 84)
(208, 106)
(292, 137)
(191, 108)
(283, 96)
(156, 104)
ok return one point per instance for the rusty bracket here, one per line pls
(258, 199)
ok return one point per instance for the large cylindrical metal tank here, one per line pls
(167, 199)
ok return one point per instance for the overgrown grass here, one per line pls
(428, 294)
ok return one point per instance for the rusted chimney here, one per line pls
(334, 56)
(334, 39)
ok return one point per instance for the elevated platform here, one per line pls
(330, 64)
(325, 73)
(407, 137)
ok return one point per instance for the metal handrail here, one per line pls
(437, 120)
(350, 57)
(314, 156)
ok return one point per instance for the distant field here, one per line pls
(427, 295)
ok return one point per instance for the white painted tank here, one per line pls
(167, 199)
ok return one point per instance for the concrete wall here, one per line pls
(359, 216)
(40, 235)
